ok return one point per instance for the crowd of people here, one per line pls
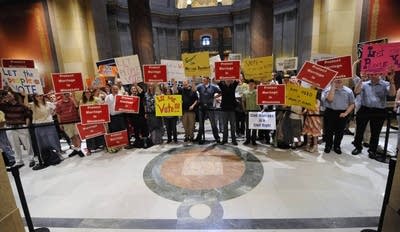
(47, 118)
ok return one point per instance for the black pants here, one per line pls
(231, 117)
(334, 127)
(240, 122)
(95, 143)
(203, 113)
(376, 118)
(170, 123)
(140, 129)
(117, 123)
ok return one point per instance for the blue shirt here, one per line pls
(374, 96)
(206, 94)
(342, 99)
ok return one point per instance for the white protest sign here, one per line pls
(235, 56)
(320, 56)
(175, 69)
(22, 79)
(287, 63)
(212, 60)
(129, 69)
(262, 121)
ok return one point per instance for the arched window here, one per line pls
(205, 40)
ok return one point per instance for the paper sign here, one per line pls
(155, 73)
(262, 121)
(129, 69)
(300, 96)
(174, 69)
(128, 104)
(94, 114)
(360, 45)
(117, 139)
(22, 79)
(258, 68)
(227, 70)
(320, 56)
(90, 130)
(271, 95)
(212, 60)
(168, 105)
(380, 58)
(235, 56)
(107, 68)
(97, 82)
(342, 65)
(67, 82)
(17, 63)
(315, 74)
(287, 63)
(196, 64)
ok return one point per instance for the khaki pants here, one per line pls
(188, 120)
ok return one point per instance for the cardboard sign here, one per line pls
(235, 56)
(300, 96)
(117, 139)
(262, 121)
(174, 69)
(316, 75)
(128, 104)
(227, 70)
(271, 95)
(287, 63)
(155, 73)
(360, 45)
(94, 114)
(67, 82)
(258, 68)
(129, 69)
(342, 65)
(90, 131)
(22, 79)
(196, 64)
(379, 58)
(168, 105)
(17, 63)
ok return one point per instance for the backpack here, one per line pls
(50, 157)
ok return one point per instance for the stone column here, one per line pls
(261, 27)
(141, 30)
(190, 36)
(221, 42)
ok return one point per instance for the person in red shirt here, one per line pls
(68, 115)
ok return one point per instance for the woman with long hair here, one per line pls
(155, 124)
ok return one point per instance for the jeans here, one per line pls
(231, 117)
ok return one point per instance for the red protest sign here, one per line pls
(342, 65)
(155, 73)
(128, 104)
(271, 95)
(379, 58)
(316, 75)
(94, 114)
(90, 131)
(67, 82)
(17, 63)
(116, 139)
(227, 70)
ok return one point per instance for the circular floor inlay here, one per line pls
(200, 211)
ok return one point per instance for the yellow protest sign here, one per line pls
(168, 105)
(258, 68)
(300, 96)
(196, 64)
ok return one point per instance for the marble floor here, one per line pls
(188, 187)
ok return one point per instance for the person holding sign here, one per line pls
(206, 99)
(373, 102)
(155, 123)
(139, 123)
(339, 103)
(228, 105)
(189, 103)
(117, 122)
(249, 102)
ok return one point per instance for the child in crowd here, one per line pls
(312, 127)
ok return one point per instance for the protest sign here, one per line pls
(67, 82)
(271, 95)
(262, 121)
(380, 58)
(360, 45)
(117, 139)
(342, 65)
(17, 63)
(300, 96)
(235, 56)
(168, 105)
(258, 68)
(127, 104)
(196, 64)
(174, 69)
(227, 70)
(286, 63)
(320, 56)
(155, 73)
(90, 130)
(129, 69)
(212, 60)
(94, 114)
(315, 74)
(107, 68)
(97, 82)
(22, 80)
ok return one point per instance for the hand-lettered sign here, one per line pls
(67, 82)
(286, 63)
(227, 70)
(22, 80)
(129, 69)
(360, 45)
(300, 96)
(258, 68)
(116, 139)
(107, 68)
(271, 95)
(168, 105)
(127, 104)
(90, 130)
(262, 121)
(174, 69)
(380, 58)
(17, 63)
(94, 114)
(342, 65)
(155, 73)
(196, 64)
(316, 75)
